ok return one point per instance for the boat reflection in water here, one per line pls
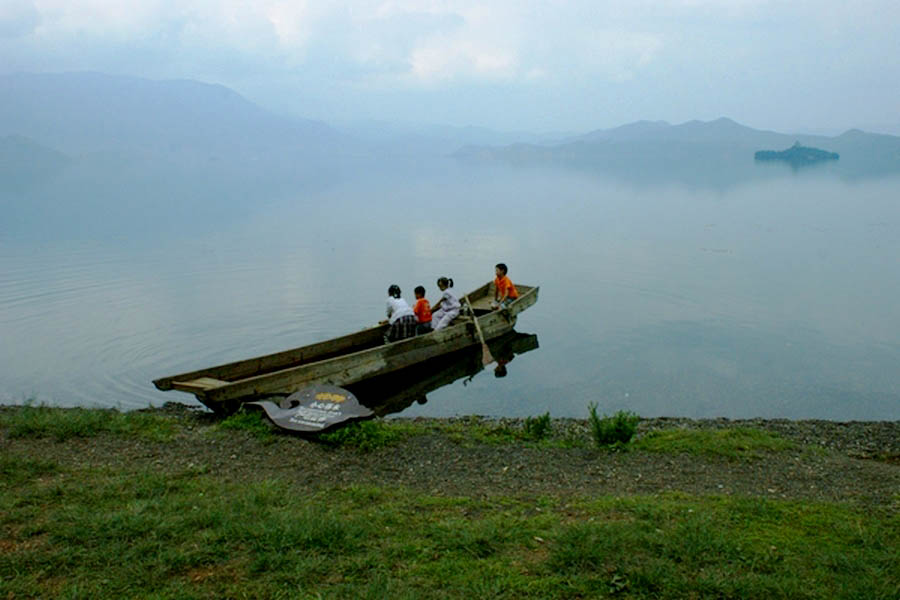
(394, 392)
(321, 407)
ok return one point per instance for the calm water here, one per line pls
(771, 295)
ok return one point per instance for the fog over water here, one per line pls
(185, 184)
(770, 294)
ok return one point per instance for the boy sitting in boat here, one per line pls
(422, 311)
(505, 292)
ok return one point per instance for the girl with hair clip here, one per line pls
(449, 305)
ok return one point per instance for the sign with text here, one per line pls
(315, 408)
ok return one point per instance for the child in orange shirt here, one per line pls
(423, 312)
(504, 290)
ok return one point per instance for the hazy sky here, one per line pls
(823, 65)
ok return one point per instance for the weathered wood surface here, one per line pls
(367, 338)
(344, 360)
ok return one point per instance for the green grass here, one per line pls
(251, 421)
(678, 546)
(67, 423)
(63, 424)
(114, 533)
(18, 470)
(365, 436)
(738, 442)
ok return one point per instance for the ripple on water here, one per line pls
(84, 327)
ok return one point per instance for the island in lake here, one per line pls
(797, 155)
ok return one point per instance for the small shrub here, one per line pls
(251, 421)
(610, 431)
(537, 428)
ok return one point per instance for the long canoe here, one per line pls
(344, 360)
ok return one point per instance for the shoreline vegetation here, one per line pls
(177, 503)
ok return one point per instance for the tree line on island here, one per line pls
(797, 155)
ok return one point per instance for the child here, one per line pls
(505, 293)
(400, 316)
(449, 308)
(423, 312)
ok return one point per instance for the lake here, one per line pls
(771, 294)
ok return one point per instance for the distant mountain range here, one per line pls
(693, 143)
(87, 113)
(51, 118)
(417, 139)
(79, 113)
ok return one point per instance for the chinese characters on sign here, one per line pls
(315, 409)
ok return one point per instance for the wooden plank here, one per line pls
(280, 360)
(200, 384)
(346, 369)
(527, 298)
(483, 302)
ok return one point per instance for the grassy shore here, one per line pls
(101, 504)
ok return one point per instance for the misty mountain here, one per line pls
(23, 161)
(91, 112)
(694, 147)
(413, 139)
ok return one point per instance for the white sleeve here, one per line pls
(452, 301)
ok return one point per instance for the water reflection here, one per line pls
(395, 392)
(766, 294)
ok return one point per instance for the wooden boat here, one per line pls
(389, 393)
(344, 360)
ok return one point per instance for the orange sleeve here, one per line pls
(513, 292)
(506, 285)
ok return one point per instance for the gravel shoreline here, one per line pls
(858, 464)
(858, 439)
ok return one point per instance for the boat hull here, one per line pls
(344, 360)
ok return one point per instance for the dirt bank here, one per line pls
(858, 461)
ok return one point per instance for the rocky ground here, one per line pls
(858, 464)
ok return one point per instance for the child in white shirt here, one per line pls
(401, 317)
(449, 305)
